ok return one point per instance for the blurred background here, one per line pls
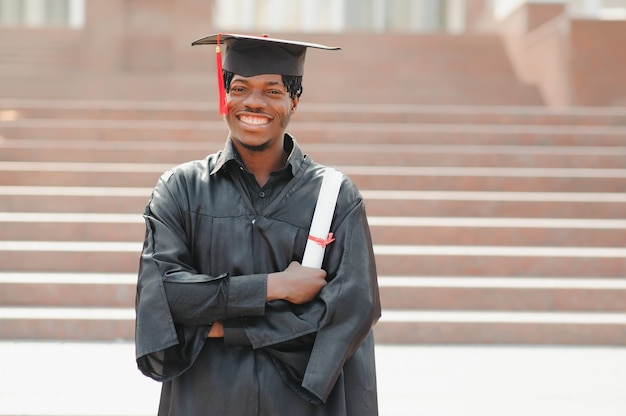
(504, 52)
(488, 139)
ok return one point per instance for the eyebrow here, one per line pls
(268, 83)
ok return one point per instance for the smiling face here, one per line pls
(259, 110)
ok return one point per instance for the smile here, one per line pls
(254, 120)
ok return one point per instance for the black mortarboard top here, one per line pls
(247, 56)
(253, 55)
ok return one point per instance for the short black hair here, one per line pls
(293, 84)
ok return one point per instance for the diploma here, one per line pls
(319, 234)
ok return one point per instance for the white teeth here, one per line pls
(257, 121)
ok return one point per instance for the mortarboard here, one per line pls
(254, 55)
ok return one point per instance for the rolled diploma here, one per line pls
(322, 217)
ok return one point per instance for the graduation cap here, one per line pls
(247, 56)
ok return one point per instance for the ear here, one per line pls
(294, 104)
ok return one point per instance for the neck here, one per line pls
(262, 162)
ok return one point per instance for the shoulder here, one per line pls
(349, 190)
(349, 198)
(180, 183)
(183, 180)
(189, 171)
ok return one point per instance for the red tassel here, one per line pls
(223, 105)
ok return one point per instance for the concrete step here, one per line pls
(395, 327)
(336, 154)
(494, 204)
(397, 292)
(416, 309)
(316, 112)
(443, 260)
(463, 327)
(455, 260)
(510, 232)
(54, 199)
(68, 290)
(366, 177)
(492, 293)
(548, 232)
(573, 205)
(316, 132)
(41, 323)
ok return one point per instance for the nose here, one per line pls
(255, 100)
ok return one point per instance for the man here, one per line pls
(227, 317)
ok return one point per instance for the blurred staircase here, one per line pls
(495, 220)
(491, 224)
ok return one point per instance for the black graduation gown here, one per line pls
(276, 358)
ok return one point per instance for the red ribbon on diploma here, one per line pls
(321, 241)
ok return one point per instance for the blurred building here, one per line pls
(568, 50)
(413, 16)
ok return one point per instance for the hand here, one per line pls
(296, 284)
(217, 330)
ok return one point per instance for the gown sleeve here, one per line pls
(174, 318)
